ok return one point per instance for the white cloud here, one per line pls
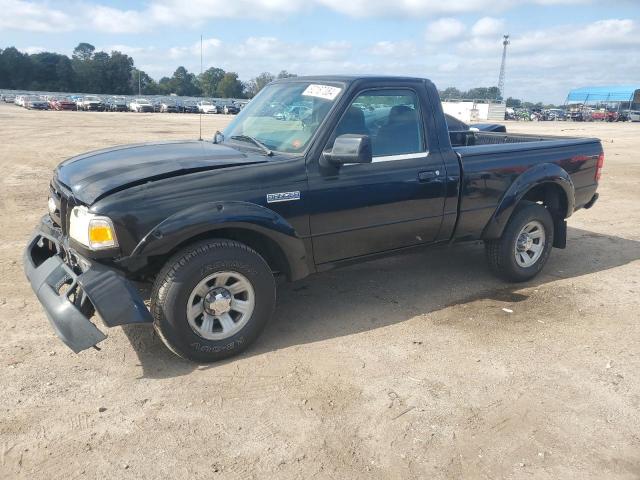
(113, 20)
(542, 64)
(543, 61)
(393, 49)
(603, 34)
(425, 8)
(33, 17)
(444, 30)
(488, 26)
(32, 50)
(38, 15)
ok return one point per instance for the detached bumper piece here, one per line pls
(61, 289)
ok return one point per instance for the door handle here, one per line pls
(428, 175)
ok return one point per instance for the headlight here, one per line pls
(93, 231)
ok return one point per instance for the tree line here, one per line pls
(487, 93)
(91, 71)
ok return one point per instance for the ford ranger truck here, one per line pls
(369, 170)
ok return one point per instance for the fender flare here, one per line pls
(538, 175)
(211, 216)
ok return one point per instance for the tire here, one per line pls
(505, 255)
(186, 273)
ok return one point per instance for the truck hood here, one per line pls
(93, 175)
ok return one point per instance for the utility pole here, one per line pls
(505, 42)
(139, 84)
(200, 116)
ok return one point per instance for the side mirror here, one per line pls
(349, 148)
(218, 137)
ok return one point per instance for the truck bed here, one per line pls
(491, 162)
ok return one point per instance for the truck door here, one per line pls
(397, 200)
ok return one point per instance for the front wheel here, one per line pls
(525, 245)
(212, 300)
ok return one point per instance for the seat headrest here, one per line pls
(402, 114)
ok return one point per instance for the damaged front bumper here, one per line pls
(62, 280)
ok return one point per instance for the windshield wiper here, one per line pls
(255, 141)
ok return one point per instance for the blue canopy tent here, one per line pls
(606, 94)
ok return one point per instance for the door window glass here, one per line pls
(391, 118)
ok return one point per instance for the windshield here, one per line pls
(284, 116)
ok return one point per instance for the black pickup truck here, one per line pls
(370, 169)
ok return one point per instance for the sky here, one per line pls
(555, 45)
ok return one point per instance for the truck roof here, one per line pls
(351, 78)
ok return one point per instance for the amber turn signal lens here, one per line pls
(100, 233)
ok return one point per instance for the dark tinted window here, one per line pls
(390, 117)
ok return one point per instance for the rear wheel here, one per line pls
(525, 245)
(212, 300)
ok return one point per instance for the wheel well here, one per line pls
(552, 196)
(265, 246)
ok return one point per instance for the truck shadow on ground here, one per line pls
(392, 290)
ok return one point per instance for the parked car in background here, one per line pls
(140, 105)
(294, 112)
(205, 106)
(581, 115)
(554, 114)
(61, 103)
(90, 103)
(604, 115)
(8, 98)
(633, 115)
(36, 103)
(229, 108)
(117, 104)
(169, 106)
(188, 106)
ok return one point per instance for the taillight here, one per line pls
(599, 166)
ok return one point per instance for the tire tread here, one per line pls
(168, 272)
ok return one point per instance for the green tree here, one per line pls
(183, 83)
(119, 68)
(230, 86)
(209, 81)
(285, 74)
(84, 51)
(99, 73)
(514, 102)
(4, 74)
(18, 67)
(451, 92)
(148, 85)
(256, 84)
(44, 71)
(66, 75)
(165, 85)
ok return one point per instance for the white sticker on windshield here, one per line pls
(322, 91)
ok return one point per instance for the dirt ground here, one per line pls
(401, 368)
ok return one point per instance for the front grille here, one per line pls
(57, 199)
(64, 204)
